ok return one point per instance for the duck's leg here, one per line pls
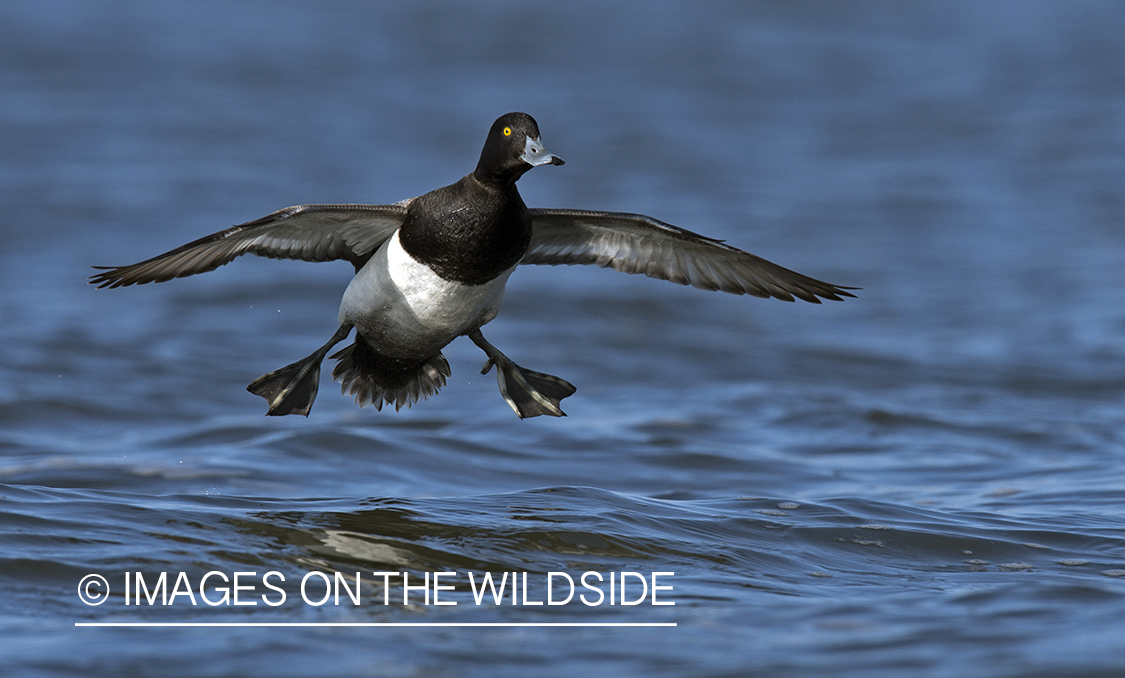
(292, 389)
(529, 393)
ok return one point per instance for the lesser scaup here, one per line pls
(433, 268)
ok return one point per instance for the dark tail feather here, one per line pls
(375, 379)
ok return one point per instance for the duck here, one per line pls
(434, 268)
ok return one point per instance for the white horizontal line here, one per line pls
(194, 624)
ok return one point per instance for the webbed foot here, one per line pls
(293, 388)
(527, 392)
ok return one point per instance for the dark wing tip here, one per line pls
(813, 290)
(122, 276)
(110, 278)
(839, 291)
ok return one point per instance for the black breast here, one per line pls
(468, 232)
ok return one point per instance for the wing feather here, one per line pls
(304, 232)
(634, 243)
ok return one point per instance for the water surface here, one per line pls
(926, 480)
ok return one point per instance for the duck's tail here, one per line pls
(376, 379)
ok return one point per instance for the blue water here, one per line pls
(926, 480)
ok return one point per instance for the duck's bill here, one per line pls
(535, 154)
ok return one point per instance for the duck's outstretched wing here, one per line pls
(305, 232)
(634, 243)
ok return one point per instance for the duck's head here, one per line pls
(512, 148)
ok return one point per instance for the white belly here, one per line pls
(405, 309)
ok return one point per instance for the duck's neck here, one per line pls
(471, 231)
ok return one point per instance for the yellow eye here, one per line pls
(507, 131)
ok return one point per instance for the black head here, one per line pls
(512, 148)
